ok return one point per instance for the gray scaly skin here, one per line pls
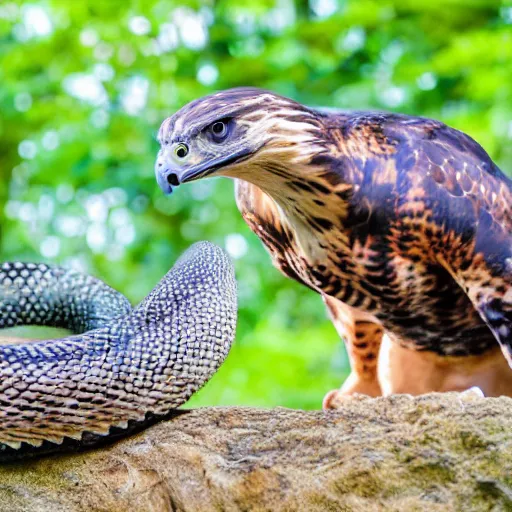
(38, 294)
(137, 364)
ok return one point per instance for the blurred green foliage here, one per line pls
(85, 84)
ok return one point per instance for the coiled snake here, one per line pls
(128, 368)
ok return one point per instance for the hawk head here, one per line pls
(245, 133)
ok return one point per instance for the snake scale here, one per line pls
(125, 367)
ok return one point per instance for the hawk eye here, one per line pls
(219, 130)
(181, 150)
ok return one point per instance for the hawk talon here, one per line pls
(473, 391)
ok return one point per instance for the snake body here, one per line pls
(128, 366)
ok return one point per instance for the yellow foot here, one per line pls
(354, 385)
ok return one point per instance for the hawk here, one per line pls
(402, 224)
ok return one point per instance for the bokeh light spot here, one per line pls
(50, 247)
(22, 101)
(139, 25)
(207, 74)
(27, 149)
(236, 245)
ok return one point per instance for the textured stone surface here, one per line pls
(435, 453)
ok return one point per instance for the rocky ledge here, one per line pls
(437, 452)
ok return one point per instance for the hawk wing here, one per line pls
(436, 196)
(457, 202)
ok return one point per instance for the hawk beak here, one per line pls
(170, 176)
(161, 179)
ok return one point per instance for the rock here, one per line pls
(437, 452)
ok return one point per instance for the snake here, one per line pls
(123, 367)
